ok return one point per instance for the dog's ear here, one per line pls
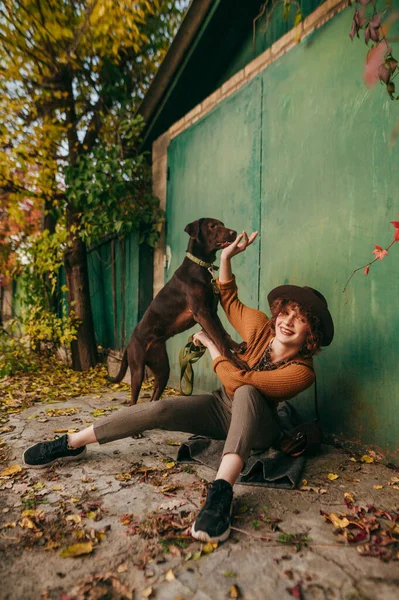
(193, 229)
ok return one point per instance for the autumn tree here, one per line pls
(72, 73)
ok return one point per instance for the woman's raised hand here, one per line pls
(240, 244)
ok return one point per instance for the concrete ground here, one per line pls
(127, 505)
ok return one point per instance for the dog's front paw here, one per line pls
(238, 348)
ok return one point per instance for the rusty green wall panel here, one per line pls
(330, 190)
(215, 172)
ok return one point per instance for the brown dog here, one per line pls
(187, 298)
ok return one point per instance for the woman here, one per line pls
(243, 412)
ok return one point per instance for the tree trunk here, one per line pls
(84, 349)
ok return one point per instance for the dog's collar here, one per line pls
(200, 262)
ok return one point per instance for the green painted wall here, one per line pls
(215, 172)
(264, 33)
(304, 151)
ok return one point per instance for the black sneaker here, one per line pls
(213, 522)
(45, 454)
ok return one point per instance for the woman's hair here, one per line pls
(313, 339)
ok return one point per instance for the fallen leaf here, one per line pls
(332, 476)
(349, 497)
(169, 575)
(73, 430)
(11, 470)
(339, 522)
(209, 547)
(77, 550)
(27, 523)
(38, 486)
(229, 574)
(122, 568)
(367, 459)
(73, 519)
(172, 443)
(8, 525)
(147, 592)
(234, 592)
(62, 412)
(296, 591)
(378, 487)
(123, 477)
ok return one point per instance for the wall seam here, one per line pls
(260, 187)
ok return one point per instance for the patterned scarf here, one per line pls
(266, 363)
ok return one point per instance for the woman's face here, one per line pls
(291, 328)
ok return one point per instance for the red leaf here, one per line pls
(296, 591)
(366, 270)
(379, 252)
(395, 224)
(396, 235)
(375, 58)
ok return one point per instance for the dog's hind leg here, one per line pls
(158, 361)
(136, 357)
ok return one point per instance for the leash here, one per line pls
(189, 355)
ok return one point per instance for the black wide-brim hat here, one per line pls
(311, 299)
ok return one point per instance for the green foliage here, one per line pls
(111, 189)
(73, 72)
(15, 356)
(38, 270)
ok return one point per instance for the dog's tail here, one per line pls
(122, 370)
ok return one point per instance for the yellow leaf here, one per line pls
(74, 519)
(91, 514)
(6, 525)
(338, 521)
(367, 459)
(11, 470)
(36, 513)
(209, 547)
(123, 477)
(38, 486)
(304, 482)
(332, 476)
(353, 459)
(172, 443)
(170, 576)
(350, 497)
(26, 523)
(77, 550)
(234, 592)
(147, 592)
(170, 465)
(122, 568)
(378, 487)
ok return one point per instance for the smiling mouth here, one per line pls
(285, 331)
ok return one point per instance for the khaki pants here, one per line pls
(247, 422)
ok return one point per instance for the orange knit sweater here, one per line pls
(255, 328)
